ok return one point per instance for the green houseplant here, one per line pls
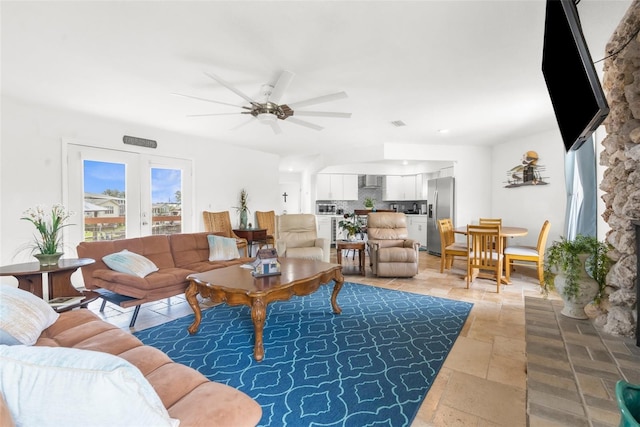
(46, 244)
(369, 202)
(577, 269)
(351, 225)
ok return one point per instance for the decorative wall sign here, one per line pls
(526, 173)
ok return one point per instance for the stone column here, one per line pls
(621, 182)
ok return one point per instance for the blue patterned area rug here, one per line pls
(372, 365)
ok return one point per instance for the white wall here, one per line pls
(31, 167)
(529, 206)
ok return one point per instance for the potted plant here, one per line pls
(351, 225)
(47, 243)
(369, 202)
(577, 269)
(243, 209)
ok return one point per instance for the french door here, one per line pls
(119, 194)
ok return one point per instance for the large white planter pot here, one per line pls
(574, 307)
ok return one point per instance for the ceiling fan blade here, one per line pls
(276, 128)
(304, 123)
(322, 114)
(208, 100)
(319, 100)
(217, 114)
(228, 86)
(281, 86)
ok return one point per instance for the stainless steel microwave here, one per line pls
(326, 209)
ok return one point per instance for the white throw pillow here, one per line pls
(130, 263)
(59, 386)
(23, 316)
(222, 248)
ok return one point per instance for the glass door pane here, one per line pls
(166, 201)
(105, 207)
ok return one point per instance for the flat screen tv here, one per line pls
(576, 94)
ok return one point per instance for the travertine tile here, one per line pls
(448, 416)
(486, 399)
(470, 356)
(509, 371)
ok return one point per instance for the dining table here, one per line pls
(505, 232)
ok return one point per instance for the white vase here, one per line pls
(574, 306)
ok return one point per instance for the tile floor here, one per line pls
(484, 379)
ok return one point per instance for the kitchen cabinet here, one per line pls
(350, 187)
(336, 187)
(324, 224)
(417, 228)
(401, 187)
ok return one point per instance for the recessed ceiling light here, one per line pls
(443, 130)
(404, 162)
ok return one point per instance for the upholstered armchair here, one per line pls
(297, 237)
(391, 252)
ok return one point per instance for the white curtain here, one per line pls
(581, 185)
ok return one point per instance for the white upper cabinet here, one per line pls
(350, 187)
(336, 187)
(402, 187)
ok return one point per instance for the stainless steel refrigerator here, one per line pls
(440, 204)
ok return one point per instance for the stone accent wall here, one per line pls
(621, 182)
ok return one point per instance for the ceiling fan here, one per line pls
(269, 109)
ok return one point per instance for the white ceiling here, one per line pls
(472, 67)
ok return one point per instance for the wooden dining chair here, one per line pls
(525, 255)
(220, 222)
(267, 220)
(449, 249)
(489, 221)
(485, 253)
(493, 221)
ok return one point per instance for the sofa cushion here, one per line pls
(107, 389)
(222, 248)
(130, 263)
(189, 248)
(23, 316)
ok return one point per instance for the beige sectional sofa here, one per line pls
(175, 255)
(187, 395)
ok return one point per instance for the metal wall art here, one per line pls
(527, 172)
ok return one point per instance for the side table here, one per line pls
(253, 235)
(30, 276)
(357, 245)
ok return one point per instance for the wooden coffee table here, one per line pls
(236, 286)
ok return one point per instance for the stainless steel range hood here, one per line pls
(371, 181)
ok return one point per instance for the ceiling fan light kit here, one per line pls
(269, 111)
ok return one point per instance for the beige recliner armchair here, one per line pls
(391, 252)
(297, 237)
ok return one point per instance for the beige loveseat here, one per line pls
(175, 255)
(187, 395)
(391, 252)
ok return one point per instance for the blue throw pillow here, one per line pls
(222, 248)
(130, 263)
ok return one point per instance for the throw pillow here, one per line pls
(222, 248)
(59, 386)
(23, 316)
(130, 263)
